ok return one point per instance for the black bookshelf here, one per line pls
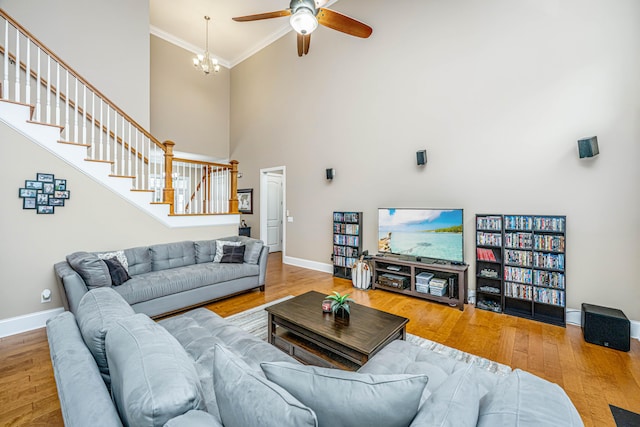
(347, 242)
(489, 262)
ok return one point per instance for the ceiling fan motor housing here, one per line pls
(297, 4)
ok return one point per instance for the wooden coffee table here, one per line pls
(299, 327)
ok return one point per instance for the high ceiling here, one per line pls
(182, 23)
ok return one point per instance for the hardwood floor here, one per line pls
(593, 376)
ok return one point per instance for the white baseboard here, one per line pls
(27, 322)
(311, 265)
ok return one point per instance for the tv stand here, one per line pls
(407, 270)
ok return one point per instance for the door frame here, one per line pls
(263, 204)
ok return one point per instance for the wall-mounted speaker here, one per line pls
(330, 174)
(588, 147)
(421, 157)
(606, 326)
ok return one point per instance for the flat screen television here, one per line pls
(430, 234)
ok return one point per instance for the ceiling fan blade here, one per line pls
(300, 44)
(266, 15)
(304, 41)
(339, 22)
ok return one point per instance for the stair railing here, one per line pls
(59, 96)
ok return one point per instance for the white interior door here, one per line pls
(274, 212)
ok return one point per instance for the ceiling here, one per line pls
(182, 23)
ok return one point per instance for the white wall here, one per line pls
(105, 42)
(187, 106)
(497, 92)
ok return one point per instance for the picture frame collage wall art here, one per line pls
(44, 193)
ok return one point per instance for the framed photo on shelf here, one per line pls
(245, 201)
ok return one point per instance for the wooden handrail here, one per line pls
(80, 78)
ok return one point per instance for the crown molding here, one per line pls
(184, 45)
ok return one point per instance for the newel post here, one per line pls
(168, 192)
(233, 201)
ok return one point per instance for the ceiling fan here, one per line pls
(305, 17)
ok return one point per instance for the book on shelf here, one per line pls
(484, 254)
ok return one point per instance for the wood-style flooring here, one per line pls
(593, 376)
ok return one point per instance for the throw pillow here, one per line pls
(253, 250)
(119, 255)
(385, 400)
(232, 254)
(92, 269)
(220, 244)
(455, 403)
(263, 403)
(117, 272)
(153, 379)
(97, 310)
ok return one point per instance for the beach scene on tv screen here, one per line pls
(429, 233)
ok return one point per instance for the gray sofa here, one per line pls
(166, 278)
(114, 367)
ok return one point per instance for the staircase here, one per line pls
(45, 100)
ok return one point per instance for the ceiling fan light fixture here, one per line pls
(304, 21)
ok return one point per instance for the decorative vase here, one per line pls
(341, 313)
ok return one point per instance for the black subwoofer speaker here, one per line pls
(606, 326)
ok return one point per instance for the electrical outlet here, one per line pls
(45, 296)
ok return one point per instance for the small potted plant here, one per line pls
(340, 304)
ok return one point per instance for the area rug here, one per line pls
(254, 321)
(624, 418)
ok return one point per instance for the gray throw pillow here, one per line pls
(97, 310)
(92, 269)
(194, 418)
(232, 254)
(153, 379)
(252, 251)
(220, 244)
(246, 398)
(455, 403)
(350, 398)
(117, 272)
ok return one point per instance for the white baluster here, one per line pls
(48, 116)
(122, 170)
(75, 114)
(93, 125)
(129, 151)
(38, 90)
(84, 114)
(137, 151)
(57, 94)
(67, 130)
(148, 164)
(108, 136)
(5, 84)
(101, 150)
(17, 94)
(115, 140)
(27, 92)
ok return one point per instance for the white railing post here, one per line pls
(38, 90)
(93, 125)
(57, 93)
(48, 116)
(27, 92)
(84, 114)
(75, 114)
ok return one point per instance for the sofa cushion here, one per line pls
(246, 398)
(172, 255)
(388, 400)
(139, 260)
(232, 254)
(455, 403)
(156, 284)
(97, 311)
(220, 244)
(92, 269)
(205, 250)
(152, 378)
(117, 271)
(119, 255)
(518, 398)
(253, 248)
(194, 418)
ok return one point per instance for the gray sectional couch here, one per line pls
(114, 367)
(166, 278)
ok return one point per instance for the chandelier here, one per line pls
(205, 62)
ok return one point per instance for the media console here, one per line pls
(398, 274)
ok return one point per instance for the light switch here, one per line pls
(289, 219)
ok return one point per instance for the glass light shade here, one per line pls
(304, 21)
